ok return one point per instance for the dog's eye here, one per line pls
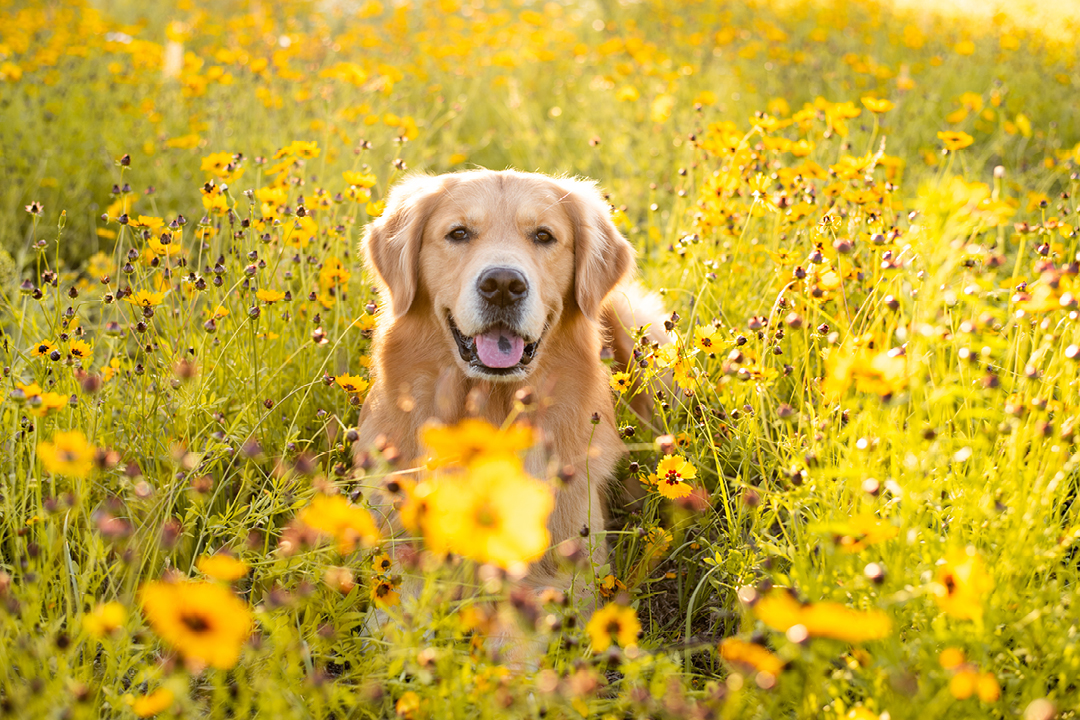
(458, 235)
(544, 237)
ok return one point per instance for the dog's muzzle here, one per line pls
(498, 350)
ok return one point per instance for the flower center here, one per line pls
(195, 623)
(950, 584)
(672, 477)
(485, 517)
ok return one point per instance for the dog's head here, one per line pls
(498, 258)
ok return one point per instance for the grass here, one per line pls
(877, 352)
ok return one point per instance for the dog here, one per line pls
(499, 283)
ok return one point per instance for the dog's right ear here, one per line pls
(391, 242)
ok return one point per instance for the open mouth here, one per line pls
(496, 351)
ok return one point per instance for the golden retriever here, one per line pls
(494, 283)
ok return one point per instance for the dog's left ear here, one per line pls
(602, 256)
(392, 241)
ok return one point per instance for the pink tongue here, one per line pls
(499, 348)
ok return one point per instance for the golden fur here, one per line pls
(577, 282)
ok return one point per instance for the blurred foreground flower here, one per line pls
(105, 619)
(222, 567)
(854, 535)
(472, 440)
(153, 703)
(752, 655)
(962, 582)
(883, 373)
(613, 623)
(781, 611)
(68, 453)
(492, 513)
(204, 622)
(335, 516)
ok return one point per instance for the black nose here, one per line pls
(502, 286)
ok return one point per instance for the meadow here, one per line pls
(861, 217)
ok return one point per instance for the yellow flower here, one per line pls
(43, 348)
(336, 517)
(955, 139)
(801, 148)
(780, 611)
(339, 579)
(384, 592)
(30, 390)
(49, 401)
(67, 454)
(962, 684)
(471, 440)
(352, 384)
(105, 619)
(204, 622)
(875, 105)
(671, 473)
(144, 298)
(80, 349)
(147, 222)
(333, 273)
(962, 583)
(707, 338)
(358, 194)
(883, 373)
(987, 688)
(620, 382)
(273, 195)
(861, 197)
(163, 249)
(382, 564)
(222, 566)
(750, 654)
(364, 180)
(494, 513)
(223, 165)
(861, 713)
(950, 658)
(609, 585)
(669, 356)
(269, 296)
(184, 142)
(153, 703)
(299, 148)
(108, 372)
(969, 681)
(301, 232)
(408, 705)
(861, 530)
(613, 623)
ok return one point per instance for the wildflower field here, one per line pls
(856, 498)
